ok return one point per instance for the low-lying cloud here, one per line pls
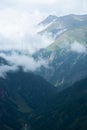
(16, 60)
(78, 47)
(5, 68)
(18, 33)
(75, 46)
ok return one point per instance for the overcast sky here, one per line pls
(26, 12)
(59, 7)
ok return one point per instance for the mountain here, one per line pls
(69, 111)
(27, 101)
(64, 23)
(32, 102)
(22, 96)
(68, 53)
(3, 61)
(48, 20)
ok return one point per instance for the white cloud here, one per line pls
(78, 47)
(5, 68)
(38, 1)
(15, 60)
(18, 20)
(18, 31)
(59, 7)
(30, 1)
(47, 7)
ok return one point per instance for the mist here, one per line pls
(78, 47)
(20, 39)
(16, 60)
(75, 47)
(18, 31)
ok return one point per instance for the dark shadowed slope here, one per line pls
(27, 100)
(22, 95)
(69, 111)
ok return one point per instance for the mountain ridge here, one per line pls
(65, 22)
(67, 54)
(22, 105)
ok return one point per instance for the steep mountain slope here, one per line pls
(68, 53)
(49, 19)
(64, 23)
(70, 36)
(27, 101)
(22, 95)
(3, 61)
(69, 111)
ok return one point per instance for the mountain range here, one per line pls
(29, 102)
(67, 54)
(52, 97)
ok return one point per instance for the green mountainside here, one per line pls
(64, 23)
(67, 55)
(70, 36)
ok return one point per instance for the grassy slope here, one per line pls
(70, 36)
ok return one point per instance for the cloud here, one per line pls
(37, 1)
(29, 1)
(18, 31)
(75, 47)
(78, 47)
(5, 68)
(49, 7)
(16, 60)
(26, 61)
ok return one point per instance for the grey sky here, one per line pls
(19, 17)
(59, 7)
(18, 31)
